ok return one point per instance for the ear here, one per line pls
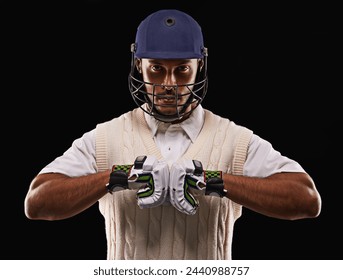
(200, 64)
(138, 64)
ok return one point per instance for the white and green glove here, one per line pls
(187, 176)
(153, 175)
(184, 176)
(148, 175)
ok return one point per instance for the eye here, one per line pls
(156, 68)
(183, 68)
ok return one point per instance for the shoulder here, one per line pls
(120, 118)
(221, 121)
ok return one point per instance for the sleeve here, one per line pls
(263, 160)
(78, 160)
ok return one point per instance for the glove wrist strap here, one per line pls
(118, 178)
(214, 183)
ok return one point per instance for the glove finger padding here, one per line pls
(194, 174)
(155, 177)
(142, 165)
(180, 186)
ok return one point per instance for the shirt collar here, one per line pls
(191, 126)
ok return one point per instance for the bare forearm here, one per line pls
(56, 196)
(284, 195)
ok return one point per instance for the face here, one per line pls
(169, 82)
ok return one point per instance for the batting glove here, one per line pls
(153, 177)
(185, 175)
(188, 176)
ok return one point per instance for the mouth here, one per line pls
(170, 103)
(168, 98)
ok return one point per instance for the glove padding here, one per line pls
(185, 176)
(154, 175)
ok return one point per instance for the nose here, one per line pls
(169, 82)
(168, 88)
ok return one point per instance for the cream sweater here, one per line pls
(163, 232)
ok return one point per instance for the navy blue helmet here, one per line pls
(168, 34)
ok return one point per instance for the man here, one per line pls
(171, 177)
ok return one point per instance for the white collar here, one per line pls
(191, 126)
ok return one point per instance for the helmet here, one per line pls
(168, 34)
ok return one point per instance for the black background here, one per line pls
(272, 68)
